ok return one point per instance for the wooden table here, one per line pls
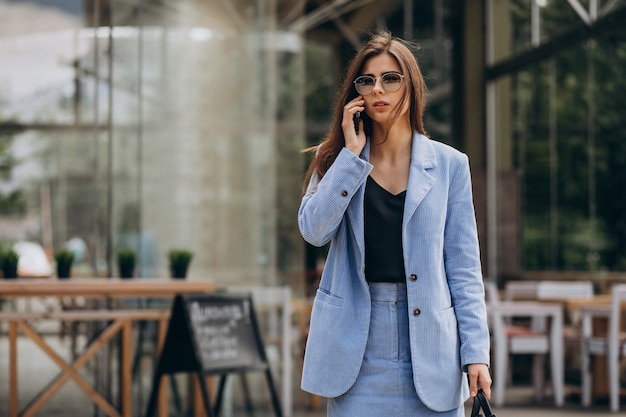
(102, 287)
(119, 321)
(573, 304)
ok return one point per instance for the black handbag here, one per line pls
(480, 401)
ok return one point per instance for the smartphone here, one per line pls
(357, 119)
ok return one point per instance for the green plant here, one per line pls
(64, 259)
(9, 258)
(126, 259)
(179, 262)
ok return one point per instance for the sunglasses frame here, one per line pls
(382, 82)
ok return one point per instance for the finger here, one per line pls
(355, 110)
(487, 392)
(349, 112)
(473, 384)
(356, 102)
(485, 385)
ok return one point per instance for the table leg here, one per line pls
(600, 387)
(70, 371)
(13, 369)
(162, 400)
(127, 378)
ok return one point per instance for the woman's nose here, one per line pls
(378, 85)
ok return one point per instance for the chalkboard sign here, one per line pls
(224, 334)
(212, 334)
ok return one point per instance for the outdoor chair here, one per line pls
(543, 336)
(564, 290)
(612, 345)
(520, 290)
(547, 290)
(557, 291)
(554, 291)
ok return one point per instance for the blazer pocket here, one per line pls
(447, 321)
(446, 313)
(328, 298)
(449, 349)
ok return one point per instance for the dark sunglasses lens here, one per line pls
(364, 85)
(392, 82)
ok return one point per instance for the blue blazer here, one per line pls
(440, 247)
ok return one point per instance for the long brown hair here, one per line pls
(381, 43)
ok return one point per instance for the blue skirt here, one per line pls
(384, 387)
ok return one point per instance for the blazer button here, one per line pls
(413, 277)
(417, 312)
(344, 193)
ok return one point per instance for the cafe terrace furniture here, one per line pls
(555, 291)
(561, 292)
(520, 290)
(543, 336)
(102, 287)
(117, 322)
(564, 290)
(547, 290)
(611, 344)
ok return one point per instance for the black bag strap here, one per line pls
(480, 401)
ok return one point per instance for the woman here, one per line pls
(399, 314)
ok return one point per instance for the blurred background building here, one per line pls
(159, 124)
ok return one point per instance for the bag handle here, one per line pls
(480, 401)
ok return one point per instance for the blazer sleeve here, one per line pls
(463, 268)
(326, 200)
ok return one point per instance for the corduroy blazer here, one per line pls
(447, 314)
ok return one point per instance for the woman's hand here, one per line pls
(479, 375)
(353, 142)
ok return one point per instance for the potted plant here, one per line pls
(126, 259)
(9, 258)
(64, 259)
(179, 262)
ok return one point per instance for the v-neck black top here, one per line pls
(383, 211)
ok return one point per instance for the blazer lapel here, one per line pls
(355, 209)
(423, 158)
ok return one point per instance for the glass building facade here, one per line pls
(557, 73)
(154, 126)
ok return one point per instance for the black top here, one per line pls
(383, 234)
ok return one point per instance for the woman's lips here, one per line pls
(380, 105)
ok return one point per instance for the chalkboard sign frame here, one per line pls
(185, 349)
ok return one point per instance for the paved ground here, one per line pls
(36, 370)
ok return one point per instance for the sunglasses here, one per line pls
(391, 82)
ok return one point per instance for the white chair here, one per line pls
(520, 290)
(544, 336)
(564, 290)
(557, 291)
(612, 345)
(491, 292)
(547, 290)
